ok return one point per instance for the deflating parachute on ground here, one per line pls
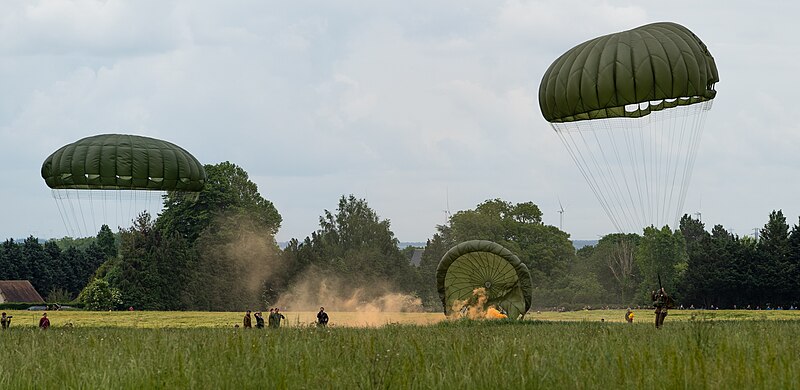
(125, 167)
(474, 265)
(630, 108)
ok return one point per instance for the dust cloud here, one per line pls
(316, 288)
(237, 259)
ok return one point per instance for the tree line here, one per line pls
(58, 269)
(217, 251)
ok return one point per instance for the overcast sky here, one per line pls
(409, 104)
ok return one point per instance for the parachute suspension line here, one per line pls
(130, 208)
(640, 175)
(57, 199)
(667, 137)
(700, 115)
(83, 215)
(105, 206)
(74, 214)
(633, 157)
(639, 169)
(645, 143)
(602, 183)
(664, 146)
(622, 170)
(607, 175)
(91, 208)
(564, 129)
(683, 136)
(614, 170)
(119, 209)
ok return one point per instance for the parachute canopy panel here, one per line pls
(123, 162)
(479, 264)
(629, 74)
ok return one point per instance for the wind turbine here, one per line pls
(560, 216)
(447, 212)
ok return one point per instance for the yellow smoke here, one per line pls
(475, 307)
(493, 313)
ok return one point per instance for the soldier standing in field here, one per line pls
(44, 322)
(271, 318)
(322, 318)
(661, 301)
(259, 320)
(276, 323)
(247, 322)
(5, 321)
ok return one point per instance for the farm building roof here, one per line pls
(18, 291)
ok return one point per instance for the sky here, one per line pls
(415, 106)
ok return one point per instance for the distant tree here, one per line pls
(618, 253)
(79, 243)
(793, 265)
(775, 269)
(10, 261)
(106, 241)
(38, 264)
(704, 269)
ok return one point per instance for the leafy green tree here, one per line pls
(354, 244)
(10, 261)
(616, 255)
(99, 295)
(358, 243)
(661, 252)
(793, 265)
(106, 241)
(546, 250)
(151, 271)
(39, 268)
(775, 268)
(228, 193)
(703, 270)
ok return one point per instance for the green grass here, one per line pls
(459, 354)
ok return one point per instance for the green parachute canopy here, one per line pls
(477, 264)
(123, 162)
(629, 74)
(630, 108)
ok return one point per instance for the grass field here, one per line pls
(139, 350)
(155, 319)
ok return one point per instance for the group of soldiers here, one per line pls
(275, 317)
